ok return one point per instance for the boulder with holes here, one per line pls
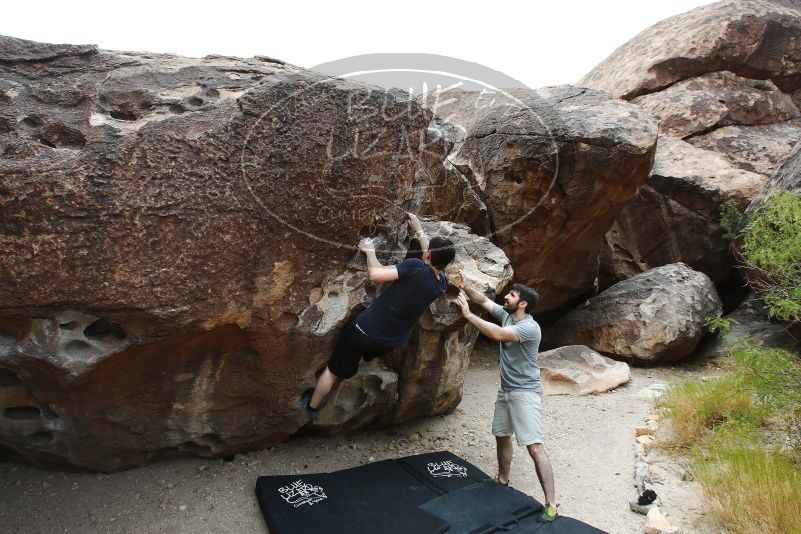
(427, 376)
(676, 216)
(179, 237)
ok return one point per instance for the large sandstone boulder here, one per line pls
(725, 78)
(652, 318)
(554, 166)
(675, 216)
(578, 370)
(179, 245)
(752, 38)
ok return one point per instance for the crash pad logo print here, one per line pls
(299, 493)
(446, 469)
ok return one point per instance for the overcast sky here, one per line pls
(538, 43)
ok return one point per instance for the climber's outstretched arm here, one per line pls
(417, 230)
(376, 271)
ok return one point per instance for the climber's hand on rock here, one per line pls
(366, 245)
(414, 223)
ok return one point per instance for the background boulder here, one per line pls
(553, 166)
(752, 38)
(675, 216)
(651, 318)
(725, 78)
(578, 370)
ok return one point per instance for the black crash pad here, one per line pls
(427, 493)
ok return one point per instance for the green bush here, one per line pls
(771, 251)
(720, 325)
(730, 217)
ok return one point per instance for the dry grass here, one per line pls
(752, 483)
(752, 490)
(695, 408)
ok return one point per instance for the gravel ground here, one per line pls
(590, 441)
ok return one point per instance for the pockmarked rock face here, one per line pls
(758, 39)
(553, 166)
(652, 318)
(676, 215)
(579, 370)
(179, 242)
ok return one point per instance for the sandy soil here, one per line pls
(590, 441)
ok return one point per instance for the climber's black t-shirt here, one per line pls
(389, 320)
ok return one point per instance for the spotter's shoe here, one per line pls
(548, 514)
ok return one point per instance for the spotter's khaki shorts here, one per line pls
(518, 413)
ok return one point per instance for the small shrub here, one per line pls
(719, 325)
(771, 251)
(730, 217)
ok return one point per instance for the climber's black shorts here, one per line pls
(351, 346)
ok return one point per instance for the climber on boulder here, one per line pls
(387, 323)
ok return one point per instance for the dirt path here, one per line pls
(589, 439)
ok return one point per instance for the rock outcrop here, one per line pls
(652, 318)
(759, 149)
(698, 105)
(725, 78)
(675, 216)
(758, 39)
(179, 246)
(554, 166)
(578, 370)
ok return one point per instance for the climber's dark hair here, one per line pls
(442, 251)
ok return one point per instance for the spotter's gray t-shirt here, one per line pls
(519, 369)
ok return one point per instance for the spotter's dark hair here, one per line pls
(527, 295)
